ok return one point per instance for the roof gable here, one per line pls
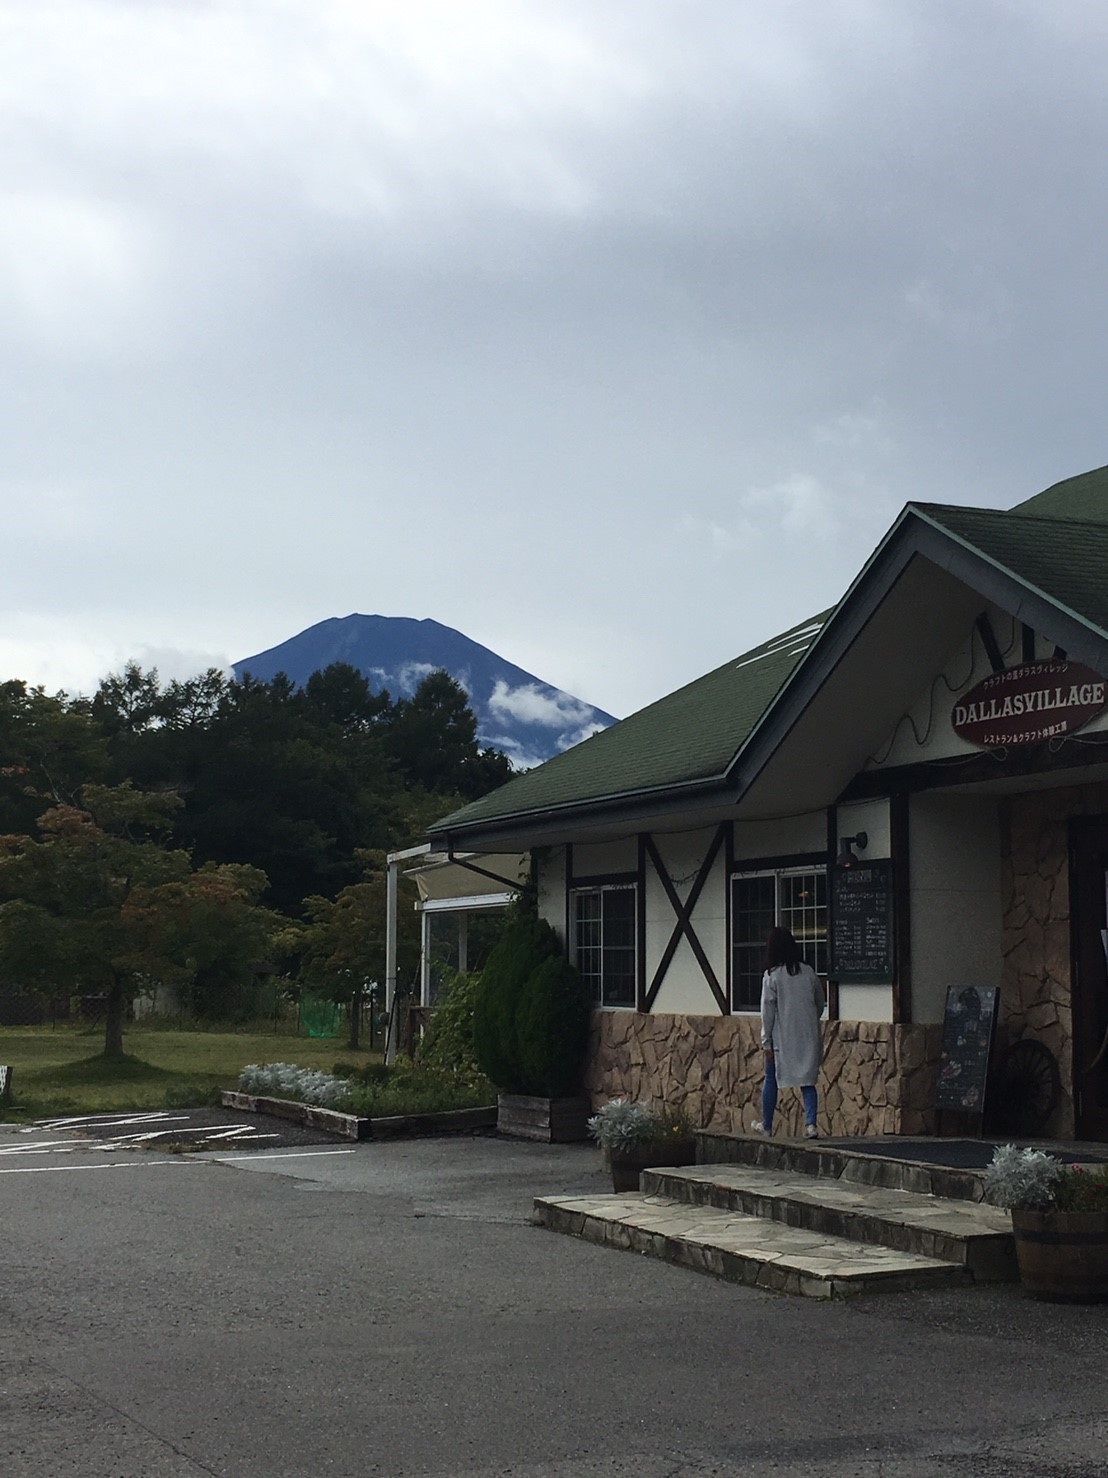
(1042, 563)
(689, 736)
(1063, 558)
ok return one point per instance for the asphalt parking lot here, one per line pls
(329, 1308)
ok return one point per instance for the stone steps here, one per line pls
(976, 1237)
(824, 1160)
(740, 1248)
(801, 1218)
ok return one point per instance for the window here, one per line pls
(603, 942)
(795, 898)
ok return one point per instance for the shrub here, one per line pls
(531, 1012)
(524, 945)
(552, 1026)
(447, 1045)
(413, 1090)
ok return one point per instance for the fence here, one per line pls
(284, 1012)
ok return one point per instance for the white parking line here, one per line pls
(277, 1155)
(50, 1169)
(105, 1121)
(45, 1147)
(175, 1160)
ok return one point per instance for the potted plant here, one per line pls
(635, 1137)
(1059, 1222)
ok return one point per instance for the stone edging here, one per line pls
(350, 1126)
(343, 1126)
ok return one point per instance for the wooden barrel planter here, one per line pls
(629, 1165)
(1062, 1255)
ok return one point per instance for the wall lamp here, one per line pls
(846, 856)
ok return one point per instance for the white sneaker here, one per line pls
(811, 1132)
(760, 1129)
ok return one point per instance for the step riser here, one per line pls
(826, 1162)
(987, 1259)
(730, 1266)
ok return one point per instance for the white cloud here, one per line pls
(531, 704)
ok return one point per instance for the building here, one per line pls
(943, 732)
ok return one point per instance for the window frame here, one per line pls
(598, 889)
(816, 868)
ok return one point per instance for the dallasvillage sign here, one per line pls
(1024, 705)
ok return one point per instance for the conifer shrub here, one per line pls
(528, 1032)
(552, 1025)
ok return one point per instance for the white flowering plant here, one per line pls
(286, 1080)
(622, 1125)
(1032, 1180)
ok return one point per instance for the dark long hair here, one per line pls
(782, 949)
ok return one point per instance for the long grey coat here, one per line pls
(791, 1008)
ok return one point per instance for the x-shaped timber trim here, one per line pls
(683, 913)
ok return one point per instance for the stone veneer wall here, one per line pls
(876, 1078)
(1035, 984)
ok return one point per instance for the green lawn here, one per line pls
(61, 1071)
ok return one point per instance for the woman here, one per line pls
(792, 1004)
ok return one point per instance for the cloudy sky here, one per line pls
(614, 333)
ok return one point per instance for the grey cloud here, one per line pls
(575, 327)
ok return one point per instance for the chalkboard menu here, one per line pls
(967, 1040)
(862, 923)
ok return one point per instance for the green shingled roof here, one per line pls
(1084, 496)
(1055, 543)
(1064, 558)
(690, 735)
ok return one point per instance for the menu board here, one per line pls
(862, 923)
(968, 1023)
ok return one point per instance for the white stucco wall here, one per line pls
(781, 838)
(865, 1003)
(550, 876)
(955, 897)
(596, 859)
(872, 817)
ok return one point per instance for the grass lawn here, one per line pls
(62, 1071)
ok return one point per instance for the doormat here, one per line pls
(955, 1154)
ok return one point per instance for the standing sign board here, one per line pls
(968, 1023)
(862, 923)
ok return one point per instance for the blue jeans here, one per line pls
(769, 1096)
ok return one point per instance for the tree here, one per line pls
(433, 737)
(48, 749)
(97, 903)
(342, 944)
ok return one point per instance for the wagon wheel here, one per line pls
(1025, 1089)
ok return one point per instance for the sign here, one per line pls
(862, 923)
(968, 1023)
(1025, 705)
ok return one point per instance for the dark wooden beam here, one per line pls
(640, 927)
(902, 908)
(1027, 643)
(989, 642)
(832, 851)
(1030, 759)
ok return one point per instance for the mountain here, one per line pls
(517, 713)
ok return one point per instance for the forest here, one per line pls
(213, 834)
